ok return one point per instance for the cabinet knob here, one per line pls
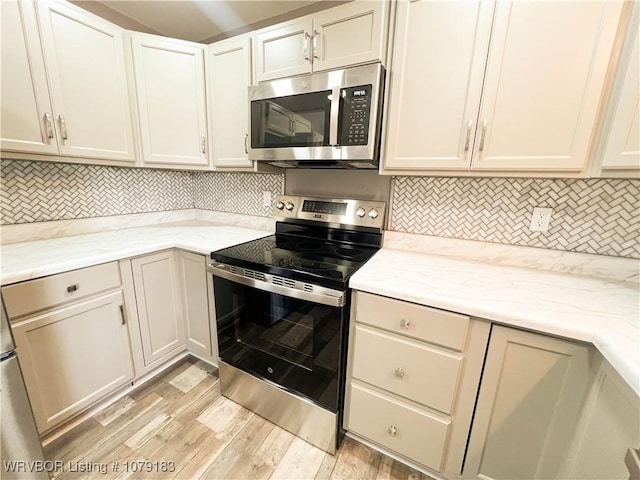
(399, 373)
(73, 288)
(405, 323)
(393, 431)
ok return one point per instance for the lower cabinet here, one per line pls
(194, 287)
(413, 375)
(73, 356)
(532, 389)
(158, 300)
(608, 431)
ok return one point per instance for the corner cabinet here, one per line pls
(532, 390)
(159, 304)
(89, 113)
(338, 37)
(228, 101)
(72, 339)
(413, 375)
(170, 88)
(496, 86)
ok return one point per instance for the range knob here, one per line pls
(289, 206)
(280, 205)
(361, 212)
(373, 213)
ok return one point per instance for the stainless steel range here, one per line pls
(282, 312)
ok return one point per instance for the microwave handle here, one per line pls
(334, 116)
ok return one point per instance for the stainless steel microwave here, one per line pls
(323, 120)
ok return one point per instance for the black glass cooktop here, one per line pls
(324, 261)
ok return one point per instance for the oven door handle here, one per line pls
(302, 291)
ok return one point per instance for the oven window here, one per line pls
(293, 121)
(294, 343)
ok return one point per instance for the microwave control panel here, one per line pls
(356, 108)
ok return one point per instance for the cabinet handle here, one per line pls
(203, 141)
(315, 44)
(124, 317)
(393, 431)
(246, 143)
(48, 125)
(405, 323)
(399, 373)
(466, 143)
(306, 47)
(73, 288)
(63, 127)
(483, 134)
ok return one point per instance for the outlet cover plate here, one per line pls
(540, 219)
(266, 198)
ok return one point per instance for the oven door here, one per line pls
(279, 334)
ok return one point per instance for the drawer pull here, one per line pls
(124, 317)
(405, 323)
(73, 288)
(393, 431)
(399, 373)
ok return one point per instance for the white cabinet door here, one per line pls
(545, 74)
(26, 124)
(159, 306)
(284, 51)
(609, 426)
(192, 277)
(86, 68)
(73, 356)
(622, 149)
(350, 34)
(170, 86)
(435, 82)
(531, 391)
(229, 101)
(335, 38)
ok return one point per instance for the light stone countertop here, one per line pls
(38, 258)
(596, 309)
(600, 304)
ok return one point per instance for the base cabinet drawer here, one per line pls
(410, 369)
(408, 431)
(48, 292)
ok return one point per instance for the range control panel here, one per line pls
(366, 213)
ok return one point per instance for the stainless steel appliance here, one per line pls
(323, 120)
(20, 447)
(282, 312)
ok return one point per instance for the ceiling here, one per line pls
(200, 20)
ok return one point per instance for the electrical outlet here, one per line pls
(266, 198)
(540, 219)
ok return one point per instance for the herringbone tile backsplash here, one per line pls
(590, 216)
(43, 191)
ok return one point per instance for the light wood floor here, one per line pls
(180, 417)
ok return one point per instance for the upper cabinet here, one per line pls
(27, 117)
(84, 108)
(170, 87)
(619, 152)
(497, 86)
(347, 35)
(228, 101)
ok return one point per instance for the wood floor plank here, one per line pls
(355, 460)
(238, 452)
(189, 378)
(181, 417)
(301, 460)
